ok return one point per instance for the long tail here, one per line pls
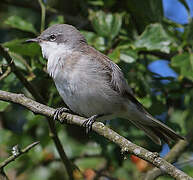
(156, 130)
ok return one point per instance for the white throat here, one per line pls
(50, 48)
(55, 54)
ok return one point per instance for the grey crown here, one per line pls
(63, 33)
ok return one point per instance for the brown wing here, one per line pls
(119, 84)
(116, 77)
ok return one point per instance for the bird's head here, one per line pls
(58, 37)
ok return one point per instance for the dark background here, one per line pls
(150, 40)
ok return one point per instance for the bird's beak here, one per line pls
(37, 40)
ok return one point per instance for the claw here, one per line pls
(58, 113)
(89, 122)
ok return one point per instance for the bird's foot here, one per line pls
(89, 122)
(59, 112)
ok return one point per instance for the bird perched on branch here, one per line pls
(92, 85)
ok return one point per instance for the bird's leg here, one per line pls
(59, 111)
(89, 122)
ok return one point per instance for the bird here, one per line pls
(92, 85)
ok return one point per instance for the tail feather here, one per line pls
(162, 135)
(165, 130)
(156, 130)
(150, 133)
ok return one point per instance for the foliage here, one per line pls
(133, 34)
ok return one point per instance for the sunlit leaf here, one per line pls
(106, 24)
(154, 38)
(115, 55)
(93, 39)
(128, 56)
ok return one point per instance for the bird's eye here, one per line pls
(52, 37)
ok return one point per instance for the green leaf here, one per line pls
(17, 46)
(188, 32)
(106, 24)
(3, 105)
(154, 38)
(93, 39)
(178, 119)
(128, 56)
(145, 12)
(184, 62)
(19, 61)
(121, 173)
(185, 5)
(19, 23)
(115, 55)
(123, 53)
(5, 136)
(146, 101)
(96, 2)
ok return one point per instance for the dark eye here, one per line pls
(52, 37)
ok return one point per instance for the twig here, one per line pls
(182, 164)
(16, 153)
(23, 61)
(38, 97)
(43, 14)
(17, 72)
(15, 156)
(161, 55)
(123, 143)
(5, 74)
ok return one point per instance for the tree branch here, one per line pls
(17, 72)
(5, 74)
(38, 97)
(101, 129)
(161, 55)
(171, 157)
(15, 156)
(16, 153)
(43, 14)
